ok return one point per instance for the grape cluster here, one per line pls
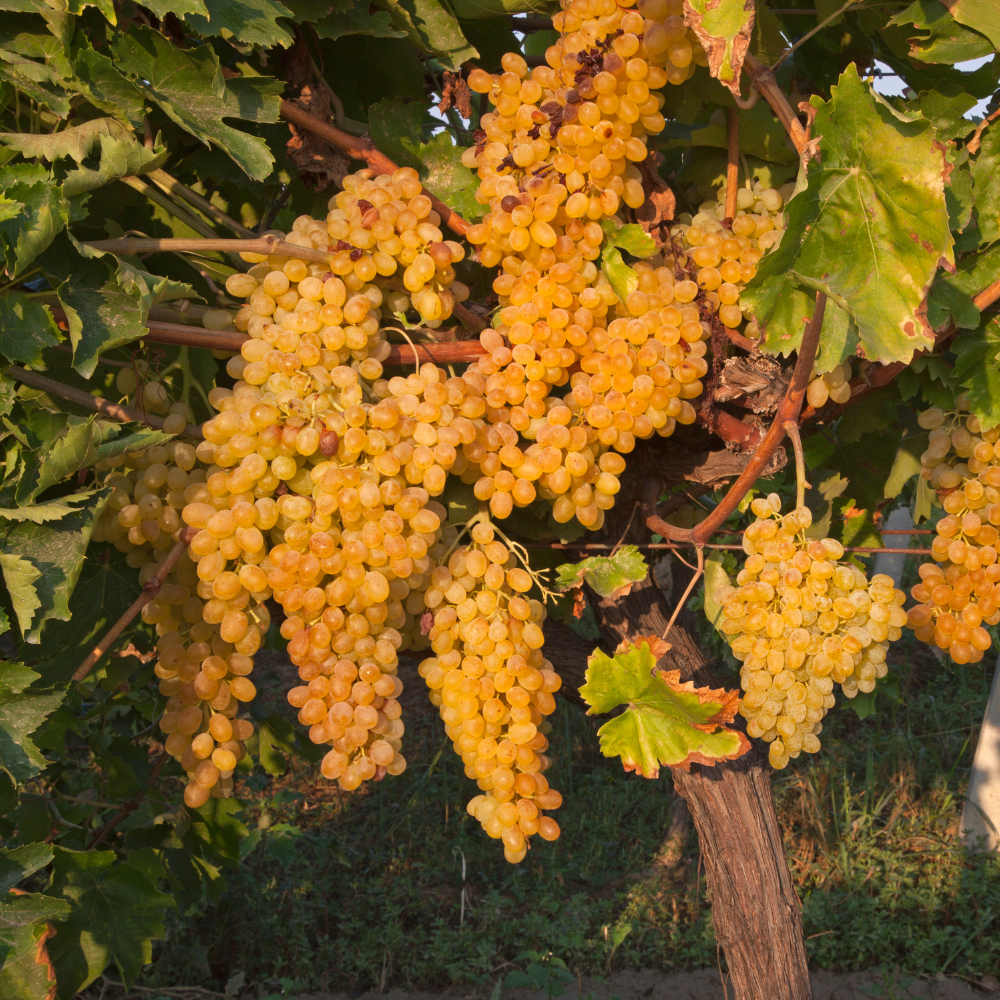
(959, 591)
(801, 621)
(493, 687)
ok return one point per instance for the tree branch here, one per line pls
(364, 149)
(126, 414)
(150, 589)
(788, 409)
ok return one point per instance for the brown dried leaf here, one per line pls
(723, 27)
(729, 700)
(658, 646)
(657, 212)
(456, 94)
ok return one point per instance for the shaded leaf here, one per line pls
(17, 863)
(42, 512)
(77, 141)
(20, 577)
(22, 711)
(106, 88)
(871, 227)
(115, 913)
(945, 41)
(906, 463)
(610, 576)
(253, 22)
(433, 29)
(723, 28)
(25, 970)
(665, 721)
(189, 86)
(42, 213)
(26, 329)
(55, 551)
(985, 169)
(978, 370)
(30, 908)
(358, 21)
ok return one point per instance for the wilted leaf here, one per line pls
(189, 86)
(115, 914)
(724, 28)
(872, 226)
(665, 721)
(610, 576)
(26, 329)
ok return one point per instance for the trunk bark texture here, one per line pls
(755, 910)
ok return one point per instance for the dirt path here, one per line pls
(648, 984)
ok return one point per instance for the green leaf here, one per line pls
(761, 135)
(26, 329)
(107, 585)
(31, 908)
(623, 279)
(78, 141)
(906, 463)
(24, 972)
(665, 722)
(119, 158)
(716, 578)
(252, 22)
(20, 577)
(985, 171)
(978, 370)
(820, 499)
(181, 9)
(17, 863)
(946, 302)
(871, 227)
(357, 21)
(189, 86)
(442, 171)
(433, 29)
(397, 129)
(115, 914)
(875, 412)
(945, 108)
(946, 40)
(724, 29)
(22, 711)
(42, 512)
(36, 80)
(980, 15)
(610, 576)
(55, 552)
(106, 88)
(219, 829)
(631, 238)
(42, 214)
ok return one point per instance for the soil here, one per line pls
(706, 984)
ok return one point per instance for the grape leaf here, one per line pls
(871, 227)
(42, 214)
(623, 279)
(20, 577)
(716, 578)
(980, 15)
(985, 171)
(631, 238)
(55, 551)
(357, 20)
(38, 81)
(188, 85)
(253, 22)
(946, 40)
(724, 28)
(978, 370)
(119, 158)
(906, 463)
(26, 329)
(25, 969)
(30, 908)
(17, 863)
(179, 8)
(106, 88)
(115, 912)
(443, 172)
(42, 512)
(77, 141)
(22, 711)
(665, 721)
(433, 29)
(611, 576)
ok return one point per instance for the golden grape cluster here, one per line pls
(959, 591)
(493, 686)
(801, 621)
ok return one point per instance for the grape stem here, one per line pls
(792, 430)
(788, 410)
(150, 589)
(126, 414)
(733, 166)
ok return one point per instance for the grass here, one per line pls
(869, 824)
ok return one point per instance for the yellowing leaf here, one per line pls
(665, 721)
(610, 576)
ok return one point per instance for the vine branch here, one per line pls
(762, 77)
(116, 411)
(788, 410)
(150, 589)
(162, 179)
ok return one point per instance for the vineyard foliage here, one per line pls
(165, 120)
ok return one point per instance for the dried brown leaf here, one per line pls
(455, 93)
